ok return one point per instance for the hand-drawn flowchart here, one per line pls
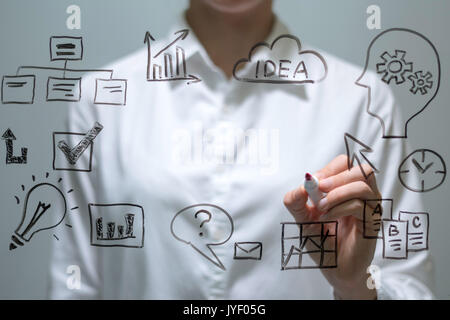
(20, 88)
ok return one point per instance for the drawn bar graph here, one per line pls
(169, 63)
(111, 233)
(315, 239)
(117, 225)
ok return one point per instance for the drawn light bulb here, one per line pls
(44, 208)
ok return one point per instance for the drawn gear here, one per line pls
(394, 67)
(421, 82)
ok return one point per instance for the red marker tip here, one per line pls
(308, 177)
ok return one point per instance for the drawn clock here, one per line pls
(422, 171)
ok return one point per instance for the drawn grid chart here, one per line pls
(322, 237)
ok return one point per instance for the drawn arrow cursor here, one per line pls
(355, 151)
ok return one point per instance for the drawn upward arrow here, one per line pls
(182, 36)
(9, 138)
(148, 38)
(355, 151)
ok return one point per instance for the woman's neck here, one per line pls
(227, 37)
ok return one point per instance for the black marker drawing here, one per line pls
(117, 225)
(409, 63)
(247, 251)
(267, 65)
(9, 138)
(374, 212)
(111, 92)
(67, 157)
(418, 229)
(423, 170)
(44, 208)
(73, 154)
(169, 63)
(202, 226)
(317, 239)
(63, 89)
(355, 150)
(421, 82)
(394, 67)
(66, 48)
(395, 239)
(19, 89)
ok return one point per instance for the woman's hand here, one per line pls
(346, 191)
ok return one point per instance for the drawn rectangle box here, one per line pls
(63, 89)
(111, 91)
(117, 225)
(418, 227)
(66, 48)
(18, 89)
(322, 237)
(395, 239)
(60, 162)
(374, 212)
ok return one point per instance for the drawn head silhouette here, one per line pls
(409, 64)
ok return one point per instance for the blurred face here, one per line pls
(233, 6)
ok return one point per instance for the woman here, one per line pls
(165, 151)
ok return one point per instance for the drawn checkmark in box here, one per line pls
(73, 151)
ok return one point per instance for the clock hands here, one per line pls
(427, 167)
(419, 167)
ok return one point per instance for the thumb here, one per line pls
(296, 202)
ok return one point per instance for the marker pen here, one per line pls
(312, 188)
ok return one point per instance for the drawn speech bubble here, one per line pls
(202, 226)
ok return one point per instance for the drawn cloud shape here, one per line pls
(282, 62)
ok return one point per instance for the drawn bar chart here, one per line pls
(316, 239)
(117, 225)
(169, 63)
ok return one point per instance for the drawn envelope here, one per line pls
(247, 250)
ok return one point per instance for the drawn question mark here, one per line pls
(204, 221)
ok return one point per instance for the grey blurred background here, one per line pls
(114, 28)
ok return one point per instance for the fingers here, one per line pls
(295, 201)
(349, 176)
(354, 207)
(336, 166)
(354, 190)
